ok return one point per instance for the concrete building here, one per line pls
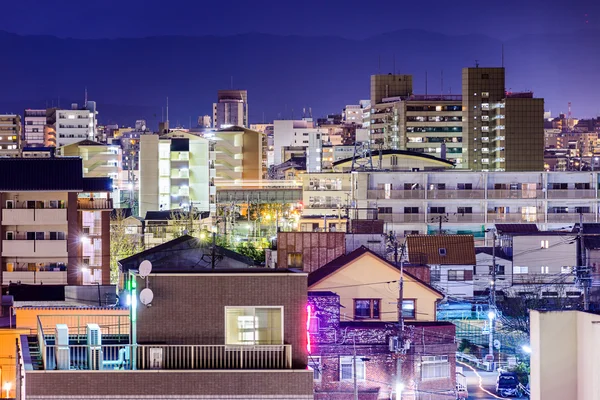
(75, 124)
(231, 109)
(10, 135)
(99, 160)
(565, 355)
(503, 131)
(295, 133)
(238, 156)
(175, 173)
(54, 223)
(466, 202)
(35, 122)
(248, 340)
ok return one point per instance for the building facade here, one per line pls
(35, 122)
(54, 223)
(231, 109)
(175, 173)
(75, 124)
(10, 135)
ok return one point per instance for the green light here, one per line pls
(133, 283)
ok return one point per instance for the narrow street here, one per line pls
(480, 384)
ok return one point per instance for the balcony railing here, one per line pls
(514, 217)
(456, 194)
(382, 194)
(94, 204)
(166, 357)
(571, 193)
(400, 218)
(515, 194)
(457, 217)
(570, 217)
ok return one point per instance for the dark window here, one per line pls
(394, 160)
(464, 186)
(30, 203)
(437, 210)
(30, 235)
(582, 186)
(411, 210)
(499, 269)
(39, 236)
(384, 210)
(465, 210)
(366, 308)
(580, 210)
(460, 275)
(411, 186)
(485, 76)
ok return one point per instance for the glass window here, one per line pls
(435, 367)
(314, 363)
(347, 368)
(460, 275)
(253, 325)
(366, 308)
(408, 309)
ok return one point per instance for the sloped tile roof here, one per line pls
(459, 249)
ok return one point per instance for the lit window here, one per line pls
(544, 269)
(520, 270)
(544, 244)
(253, 325)
(435, 367)
(367, 308)
(408, 309)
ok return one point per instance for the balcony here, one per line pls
(35, 277)
(34, 248)
(456, 194)
(168, 357)
(570, 217)
(515, 194)
(571, 194)
(402, 218)
(94, 204)
(457, 217)
(395, 194)
(514, 217)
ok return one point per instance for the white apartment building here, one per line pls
(231, 109)
(296, 133)
(10, 135)
(465, 202)
(74, 125)
(176, 172)
(34, 124)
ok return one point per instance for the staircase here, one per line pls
(35, 353)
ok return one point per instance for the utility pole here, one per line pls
(492, 312)
(354, 370)
(583, 272)
(213, 249)
(400, 343)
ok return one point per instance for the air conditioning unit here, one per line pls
(63, 354)
(94, 345)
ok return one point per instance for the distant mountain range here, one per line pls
(131, 78)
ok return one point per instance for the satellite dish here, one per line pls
(146, 296)
(145, 269)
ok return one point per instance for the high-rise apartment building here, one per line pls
(74, 125)
(175, 173)
(231, 109)
(503, 131)
(54, 223)
(35, 122)
(10, 135)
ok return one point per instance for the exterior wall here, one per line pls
(317, 248)
(453, 288)
(524, 134)
(481, 277)
(370, 272)
(10, 135)
(565, 358)
(34, 123)
(73, 126)
(494, 197)
(179, 296)
(544, 264)
(160, 385)
(148, 197)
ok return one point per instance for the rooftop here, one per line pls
(442, 249)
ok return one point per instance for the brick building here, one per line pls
(210, 334)
(353, 305)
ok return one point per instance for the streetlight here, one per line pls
(399, 389)
(526, 349)
(7, 387)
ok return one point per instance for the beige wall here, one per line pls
(565, 355)
(365, 278)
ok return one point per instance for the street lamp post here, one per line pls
(491, 317)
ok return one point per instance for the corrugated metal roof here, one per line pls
(442, 249)
(24, 174)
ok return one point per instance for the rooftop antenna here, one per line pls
(476, 63)
(167, 120)
(85, 98)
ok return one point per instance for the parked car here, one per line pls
(507, 384)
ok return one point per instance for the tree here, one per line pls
(250, 250)
(125, 241)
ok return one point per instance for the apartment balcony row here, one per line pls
(34, 248)
(166, 357)
(551, 194)
(486, 218)
(34, 216)
(34, 277)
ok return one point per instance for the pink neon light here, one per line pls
(308, 312)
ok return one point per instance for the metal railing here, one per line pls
(166, 357)
(111, 325)
(94, 204)
(382, 194)
(571, 193)
(456, 194)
